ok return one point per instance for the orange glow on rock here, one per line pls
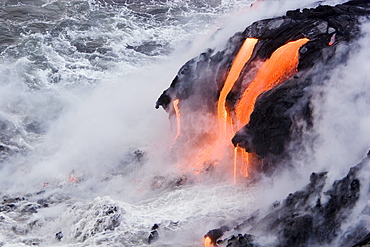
(241, 161)
(279, 67)
(210, 150)
(243, 56)
(282, 65)
(178, 120)
(208, 242)
(72, 179)
(213, 153)
(247, 157)
(235, 162)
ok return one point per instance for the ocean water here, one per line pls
(83, 152)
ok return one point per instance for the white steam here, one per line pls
(340, 137)
(342, 117)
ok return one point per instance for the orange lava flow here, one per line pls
(282, 65)
(216, 149)
(247, 157)
(243, 56)
(207, 242)
(241, 161)
(235, 162)
(72, 179)
(178, 120)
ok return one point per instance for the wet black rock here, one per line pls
(245, 240)
(111, 210)
(304, 219)
(59, 235)
(150, 48)
(43, 203)
(153, 236)
(30, 208)
(215, 234)
(363, 242)
(9, 207)
(13, 199)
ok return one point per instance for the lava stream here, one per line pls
(238, 64)
(208, 242)
(278, 68)
(178, 120)
(214, 152)
(282, 65)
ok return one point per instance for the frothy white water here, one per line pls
(182, 215)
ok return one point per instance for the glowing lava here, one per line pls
(208, 242)
(282, 65)
(278, 68)
(239, 62)
(73, 179)
(215, 151)
(241, 161)
(178, 120)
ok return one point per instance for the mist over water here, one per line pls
(85, 87)
(79, 80)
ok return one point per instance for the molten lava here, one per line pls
(215, 151)
(238, 64)
(282, 65)
(208, 242)
(278, 68)
(241, 161)
(178, 120)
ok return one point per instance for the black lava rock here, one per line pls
(274, 121)
(215, 234)
(303, 219)
(59, 235)
(153, 236)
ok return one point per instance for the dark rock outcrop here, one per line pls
(153, 236)
(215, 234)
(277, 111)
(312, 216)
(315, 215)
(59, 235)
